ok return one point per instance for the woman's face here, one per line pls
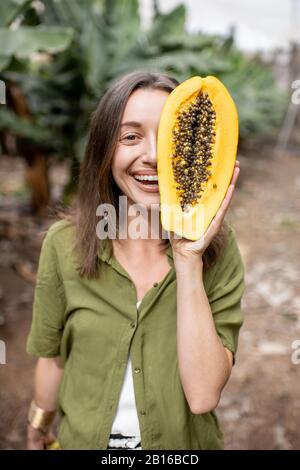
(134, 163)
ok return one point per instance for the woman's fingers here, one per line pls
(235, 175)
(225, 203)
(217, 221)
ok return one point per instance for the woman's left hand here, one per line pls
(183, 248)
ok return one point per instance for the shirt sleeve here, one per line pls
(226, 293)
(48, 305)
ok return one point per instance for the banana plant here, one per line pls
(21, 36)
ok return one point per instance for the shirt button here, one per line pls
(155, 284)
(143, 412)
(137, 370)
(132, 324)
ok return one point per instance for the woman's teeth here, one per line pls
(146, 177)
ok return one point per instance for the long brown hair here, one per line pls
(96, 184)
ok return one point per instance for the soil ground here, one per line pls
(260, 405)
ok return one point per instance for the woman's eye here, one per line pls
(130, 137)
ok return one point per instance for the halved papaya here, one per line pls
(196, 152)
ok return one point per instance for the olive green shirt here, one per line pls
(93, 324)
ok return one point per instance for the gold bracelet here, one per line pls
(39, 418)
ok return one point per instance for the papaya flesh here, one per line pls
(196, 152)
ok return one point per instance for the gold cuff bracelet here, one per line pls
(39, 418)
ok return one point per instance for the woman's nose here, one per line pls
(149, 153)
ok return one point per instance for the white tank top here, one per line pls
(126, 420)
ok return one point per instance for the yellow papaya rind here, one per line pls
(193, 224)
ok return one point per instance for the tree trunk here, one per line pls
(36, 176)
(36, 172)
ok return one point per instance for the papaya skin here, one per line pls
(193, 223)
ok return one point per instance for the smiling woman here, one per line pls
(128, 330)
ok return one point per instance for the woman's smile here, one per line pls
(146, 181)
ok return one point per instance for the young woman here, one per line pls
(136, 337)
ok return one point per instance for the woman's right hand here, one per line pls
(37, 440)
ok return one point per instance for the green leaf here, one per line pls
(72, 13)
(122, 21)
(168, 24)
(94, 57)
(195, 42)
(10, 9)
(20, 127)
(4, 62)
(24, 41)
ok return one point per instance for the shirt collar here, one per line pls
(169, 251)
(105, 250)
